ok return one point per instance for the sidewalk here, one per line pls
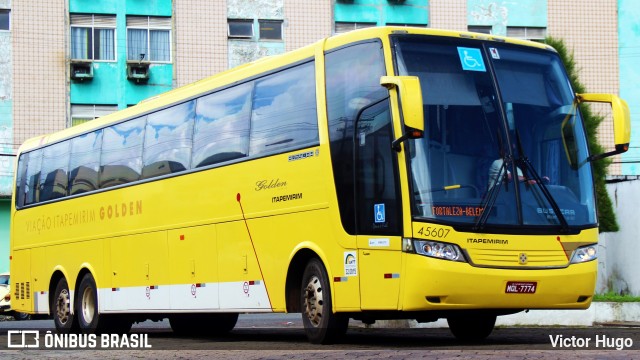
(600, 313)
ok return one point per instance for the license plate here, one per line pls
(521, 287)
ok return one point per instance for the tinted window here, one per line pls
(353, 82)
(4, 19)
(167, 140)
(85, 162)
(222, 126)
(377, 197)
(20, 178)
(32, 181)
(270, 29)
(284, 111)
(54, 174)
(121, 158)
(240, 28)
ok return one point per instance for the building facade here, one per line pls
(6, 127)
(74, 60)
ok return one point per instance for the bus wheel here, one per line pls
(471, 328)
(321, 325)
(64, 320)
(203, 324)
(89, 318)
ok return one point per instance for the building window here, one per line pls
(240, 28)
(149, 38)
(407, 25)
(93, 37)
(270, 29)
(343, 27)
(4, 19)
(480, 29)
(528, 33)
(83, 113)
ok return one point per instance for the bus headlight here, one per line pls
(584, 254)
(435, 249)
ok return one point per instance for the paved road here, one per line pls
(277, 336)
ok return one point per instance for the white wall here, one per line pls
(619, 253)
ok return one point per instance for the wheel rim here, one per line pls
(63, 309)
(313, 301)
(88, 305)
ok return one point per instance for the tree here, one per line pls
(606, 215)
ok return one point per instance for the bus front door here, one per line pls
(378, 209)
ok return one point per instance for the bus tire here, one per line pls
(89, 319)
(472, 328)
(63, 319)
(203, 324)
(321, 325)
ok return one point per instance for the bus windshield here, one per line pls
(504, 144)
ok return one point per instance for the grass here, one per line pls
(615, 297)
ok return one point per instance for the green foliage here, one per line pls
(615, 297)
(606, 215)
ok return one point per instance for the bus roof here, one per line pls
(255, 68)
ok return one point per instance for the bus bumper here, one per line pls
(434, 284)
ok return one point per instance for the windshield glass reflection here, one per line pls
(494, 153)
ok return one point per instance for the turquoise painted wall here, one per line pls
(382, 12)
(110, 85)
(5, 212)
(502, 13)
(629, 55)
(131, 7)
(6, 112)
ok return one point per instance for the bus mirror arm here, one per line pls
(620, 148)
(409, 134)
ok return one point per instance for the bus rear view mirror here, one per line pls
(408, 87)
(621, 121)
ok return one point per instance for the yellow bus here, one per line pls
(387, 173)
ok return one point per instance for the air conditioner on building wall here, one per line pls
(81, 70)
(138, 71)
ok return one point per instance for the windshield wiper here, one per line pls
(524, 162)
(492, 195)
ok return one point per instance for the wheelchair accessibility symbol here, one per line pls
(378, 213)
(471, 59)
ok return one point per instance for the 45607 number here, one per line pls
(435, 232)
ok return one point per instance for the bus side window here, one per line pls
(221, 131)
(32, 181)
(121, 157)
(20, 179)
(353, 82)
(284, 115)
(168, 140)
(53, 175)
(85, 162)
(377, 204)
